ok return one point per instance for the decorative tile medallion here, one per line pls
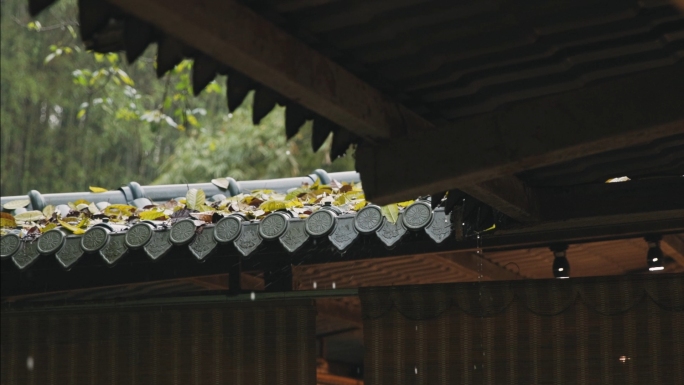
(182, 231)
(94, 239)
(390, 233)
(273, 226)
(51, 241)
(227, 229)
(9, 244)
(368, 219)
(344, 234)
(295, 235)
(70, 252)
(26, 254)
(249, 239)
(138, 235)
(203, 243)
(440, 227)
(417, 215)
(159, 244)
(320, 222)
(115, 248)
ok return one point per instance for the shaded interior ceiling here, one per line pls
(449, 59)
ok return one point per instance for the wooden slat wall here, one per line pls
(259, 343)
(525, 343)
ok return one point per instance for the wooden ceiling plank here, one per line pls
(476, 263)
(238, 37)
(613, 114)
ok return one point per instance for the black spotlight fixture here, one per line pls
(654, 258)
(561, 267)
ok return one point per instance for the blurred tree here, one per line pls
(70, 118)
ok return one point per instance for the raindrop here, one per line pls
(29, 363)
(287, 152)
(333, 285)
(416, 369)
(314, 284)
(252, 296)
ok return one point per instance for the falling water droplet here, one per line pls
(29, 363)
(333, 285)
(314, 285)
(416, 369)
(252, 296)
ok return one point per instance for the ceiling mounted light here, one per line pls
(654, 258)
(561, 266)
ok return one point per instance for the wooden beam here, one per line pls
(611, 199)
(507, 194)
(614, 114)
(238, 37)
(673, 246)
(337, 308)
(477, 264)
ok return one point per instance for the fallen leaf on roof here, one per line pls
(16, 204)
(30, 216)
(391, 212)
(48, 211)
(48, 227)
(7, 220)
(194, 199)
(221, 183)
(74, 229)
(97, 190)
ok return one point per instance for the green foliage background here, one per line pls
(71, 119)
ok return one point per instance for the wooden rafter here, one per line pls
(614, 114)
(237, 37)
(508, 195)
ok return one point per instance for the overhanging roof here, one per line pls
(488, 90)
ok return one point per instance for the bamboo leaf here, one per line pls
(194, 199)
(360, 204)
(16, 204)
(97, 190)
(47, 228)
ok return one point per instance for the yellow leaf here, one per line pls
(360, 204)
(16, 204)
(119, 209)
(293, 203)
(263, 191)
(405, 204)
(341, 200)
(270, 206)
(194, 198)
(47, 228)
(84, 222)
(295, 193)
(72, 228)
(81, 202)
(30, 216)
(316, 184)
(491, 228)
(98, 189)
(48, 211)
(151, 215)
(391, 212)
(7, 220)
(323, 189)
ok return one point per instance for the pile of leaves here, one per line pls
(299, 202)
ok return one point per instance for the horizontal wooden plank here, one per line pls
(614, 114)
(236, 36)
